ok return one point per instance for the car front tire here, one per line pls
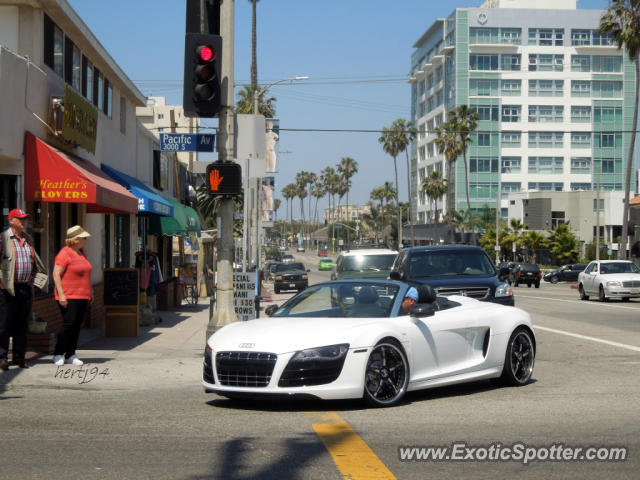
(601, 296)
(519, 358)
(387, 375)
(537, 285)
(276, 290)
(554, 279)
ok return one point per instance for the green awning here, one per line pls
(184, 221)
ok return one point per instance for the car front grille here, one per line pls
(290, 278)
(480, 293)
(631, 284)
(245, 369)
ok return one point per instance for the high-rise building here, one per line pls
(555, 99)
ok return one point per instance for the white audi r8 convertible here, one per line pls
(352, 339)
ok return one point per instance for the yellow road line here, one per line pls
(351, 454)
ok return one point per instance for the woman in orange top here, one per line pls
(72, 278)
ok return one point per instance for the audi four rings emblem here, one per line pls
(246, 345)
(463, 293)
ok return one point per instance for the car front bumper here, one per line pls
(622, 292)
(294, 285)
(508, 301)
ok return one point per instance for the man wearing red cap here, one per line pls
(18, 268)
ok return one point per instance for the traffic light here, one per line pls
(202, 73)
(224, 179)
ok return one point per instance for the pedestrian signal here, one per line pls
(224, 179)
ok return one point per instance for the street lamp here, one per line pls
(255, 92)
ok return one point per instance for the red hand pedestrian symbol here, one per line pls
(215, 179)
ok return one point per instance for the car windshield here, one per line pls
(368, 263)
(335, 300)
(528, 267)
(431, 263)
(618, 267)
(283, 267)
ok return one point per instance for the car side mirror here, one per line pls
(503, 273)
(271, 309)
(395, 275)
(420, 310)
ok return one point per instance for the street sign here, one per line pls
(187, 142)
(244, 292)
(337, 226)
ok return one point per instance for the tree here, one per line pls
(447, 143)
(326, 178)
(244, 102)
(434, 186)
(289, 193)
(389, 193)
(276, 206)
(347, 168)
(377, 195)
(390, 140)
(254, 56)
(564, 244)
(533, 241)
(622, 21)
(465, 121)
(317, 191)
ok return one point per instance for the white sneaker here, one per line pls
(73, 359)
(58, 360)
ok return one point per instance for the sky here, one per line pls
(356, 53)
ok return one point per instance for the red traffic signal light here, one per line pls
(202, 73)
(224, 179)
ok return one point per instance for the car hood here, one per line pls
(455, 281)
(619, 277)
(365, 274)
(287, 334)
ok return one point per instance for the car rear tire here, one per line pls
(519, 358)
(276, 290)
(528, 285)
(554, 279)
(601, 296)
(537, 285)
(387, 375)
(583, 296)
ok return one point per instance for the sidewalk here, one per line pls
(169, 354)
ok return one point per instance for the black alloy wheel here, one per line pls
(387, 375)
(601, 296)
(554, 279)
(537, 285)
(519, 358)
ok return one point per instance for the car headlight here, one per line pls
(504, 290)
(279, 279)
(330, 352)
(613, 283)
(304, 277)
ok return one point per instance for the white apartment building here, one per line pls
(339, 213)
(555, 99)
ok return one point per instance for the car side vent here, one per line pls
(485, 344)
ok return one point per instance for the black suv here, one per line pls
(454, 270)
(528, 273)
(290, 276)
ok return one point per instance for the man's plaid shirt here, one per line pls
(24, 258)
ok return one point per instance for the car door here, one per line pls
(447, 343)
(590, 279)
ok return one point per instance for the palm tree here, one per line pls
(516, 227)
(465, 121)
(388, 139)
(326, 176)
(244, 102)
(317, 191)
(447, 143)
(311, 179)
(347, 168)
(254, 57)
(435, 186)
(622, 21)
(406, 133)
(276, 206)
(533, 241)
(389, 193)
(289, 193)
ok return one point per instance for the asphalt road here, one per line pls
(584, 393)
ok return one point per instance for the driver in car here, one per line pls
(410, 299)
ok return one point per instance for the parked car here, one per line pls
(610, 279)
(300, 249)
(269, 269)
(287, 258)
(566, 273)
(351, 339)
(528, 273)
(282, 248)
(454, 270)
(290, 276)
(364, 263)
(325, 264)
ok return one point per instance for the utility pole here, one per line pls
(224, 313)
(598, 216)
